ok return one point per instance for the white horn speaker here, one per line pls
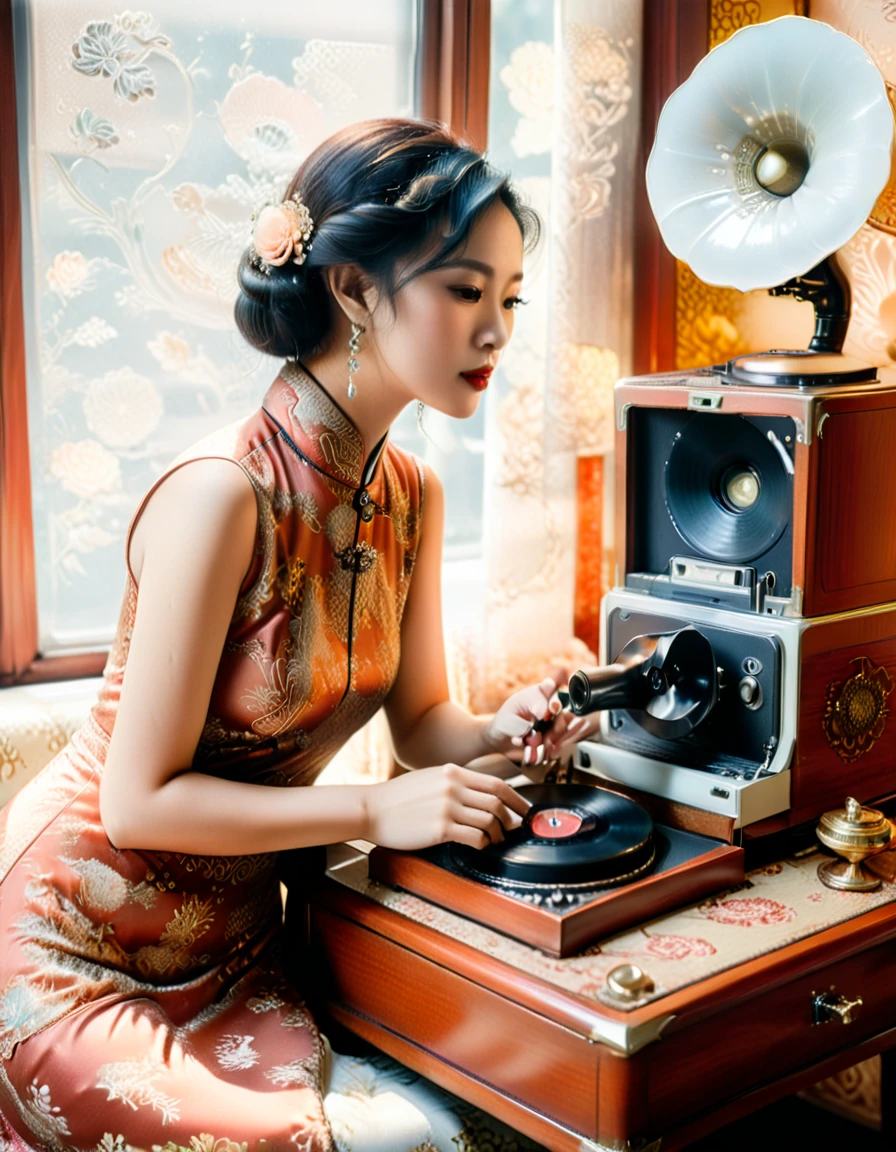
(766, 161)
(771, 155)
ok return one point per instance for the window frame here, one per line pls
(452, 77)
(675, 41)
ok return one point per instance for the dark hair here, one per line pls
(379, 192)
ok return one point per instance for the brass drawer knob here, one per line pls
(832, 1005)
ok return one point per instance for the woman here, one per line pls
(283, 584)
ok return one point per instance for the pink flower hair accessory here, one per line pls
(281, 232)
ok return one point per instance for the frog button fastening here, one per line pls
(364, 504)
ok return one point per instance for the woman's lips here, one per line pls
(479, 380)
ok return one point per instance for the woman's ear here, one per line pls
(352, 291)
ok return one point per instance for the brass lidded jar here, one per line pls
(854, 833)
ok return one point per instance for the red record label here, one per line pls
(555, 823)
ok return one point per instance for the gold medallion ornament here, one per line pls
(855, 712)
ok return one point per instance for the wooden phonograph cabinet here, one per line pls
(617, 976)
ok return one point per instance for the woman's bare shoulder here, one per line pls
(205, 503)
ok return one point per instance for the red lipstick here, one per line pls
(478, 377)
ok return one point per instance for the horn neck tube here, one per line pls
(826, 288)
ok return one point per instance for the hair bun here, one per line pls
(283, 313)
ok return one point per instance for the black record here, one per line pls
(706, 457)
(572, 835)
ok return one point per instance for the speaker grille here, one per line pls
(726, 488)
(689, 492)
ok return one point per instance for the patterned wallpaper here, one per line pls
(714, 324)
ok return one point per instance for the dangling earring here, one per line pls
(420, 410)
(353, 345)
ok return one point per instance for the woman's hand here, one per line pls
(567, 729)
(512, 726)
(434, 805)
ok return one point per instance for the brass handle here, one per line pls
(828, 1006)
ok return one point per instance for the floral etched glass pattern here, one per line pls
(146, 141)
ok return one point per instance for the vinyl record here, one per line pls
(728, 490)
(572, 835)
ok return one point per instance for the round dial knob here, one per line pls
(750, 691)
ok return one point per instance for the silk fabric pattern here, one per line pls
(143, 1001)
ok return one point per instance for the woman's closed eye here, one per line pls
(473, 295)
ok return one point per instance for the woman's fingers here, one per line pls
(480, 819)
(566, 726)
(574, 731)
(427, 807)
(464, 834)
(492, 786)
(483, 808)
(513, 725)
(534, 754)
(492, 806)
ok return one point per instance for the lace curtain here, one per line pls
(146, 141)
(564, 113)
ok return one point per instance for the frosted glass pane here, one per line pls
(146, 140)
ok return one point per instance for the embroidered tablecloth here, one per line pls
(777, 905)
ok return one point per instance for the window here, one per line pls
(151, 140)
(145, 142)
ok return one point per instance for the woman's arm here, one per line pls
(426, 726)
(191, 551)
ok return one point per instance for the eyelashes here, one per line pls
(474, 295)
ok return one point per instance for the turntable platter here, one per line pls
(573, 835)
(799, 367)
(627, 870)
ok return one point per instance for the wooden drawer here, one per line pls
(566, 1069)
(765, 1037)
(548, 1066)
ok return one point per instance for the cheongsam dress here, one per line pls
(143, 1001)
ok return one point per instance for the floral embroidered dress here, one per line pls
(142, 999)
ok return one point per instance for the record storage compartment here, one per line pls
(559, 1066)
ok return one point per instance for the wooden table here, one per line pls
(563, 1065)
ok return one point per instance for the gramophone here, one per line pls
(747, 657)
(753, 496)
(748, 650)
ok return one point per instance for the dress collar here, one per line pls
(319, 428)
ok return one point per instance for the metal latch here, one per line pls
(704, 400)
